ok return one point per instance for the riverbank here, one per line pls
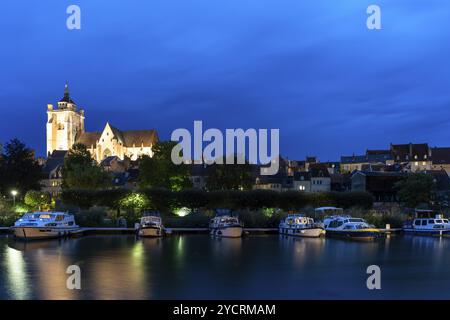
(169, 231)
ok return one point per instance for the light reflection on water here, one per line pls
(201, 267)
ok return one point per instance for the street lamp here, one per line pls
(14, 194)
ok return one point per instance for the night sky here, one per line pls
(308, 67)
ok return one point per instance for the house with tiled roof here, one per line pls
(65, 127)
(320, 177)
(414, 156)
(51, 181)
(440, 159)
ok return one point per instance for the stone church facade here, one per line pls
(65, 127)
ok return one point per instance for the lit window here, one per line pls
(416, 163)
(424, 163)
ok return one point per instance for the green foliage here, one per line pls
(94, 217)
(230, 176)
(379, 219)
(83, 198)
(417, 188)
(81, 172)
(160, 172)
(111, 198)
(160, 199)
(193, 220)
(18, 168)
(191, 198)
(37, 199)
(134, 201)
(165, 201)
(7, 218)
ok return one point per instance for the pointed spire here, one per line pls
(66, 97)
(66, 91)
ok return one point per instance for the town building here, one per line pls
(66, 126)
(380, 184)
(320, 178)
(440, 159)
(414, 157)
(52, 173)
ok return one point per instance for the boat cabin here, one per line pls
(47, 219)
(328, 211)
(298, 219)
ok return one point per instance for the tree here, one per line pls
(80, 171)
(229, 176)
(78, 155)
(416, 188)
(160, 171)
(37, 199)
(19, 169)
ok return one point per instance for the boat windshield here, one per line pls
(356, 220)
(39, 216)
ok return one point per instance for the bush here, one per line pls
(379, 219)
(93, 217)
(193, 220)
(7, 219)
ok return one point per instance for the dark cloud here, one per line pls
(310, 68)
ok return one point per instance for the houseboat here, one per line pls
(350, 228)
(301, 226)
(427, 223)
(226, 225)
(150, 225)
(44, 225)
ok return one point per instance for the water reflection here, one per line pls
(16, 274)
(200, 267)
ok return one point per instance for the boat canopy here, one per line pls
(151, 213)
(329, 211)
(424, 213)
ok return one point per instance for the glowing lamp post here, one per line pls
(14, 194)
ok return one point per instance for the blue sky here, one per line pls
(310, 68)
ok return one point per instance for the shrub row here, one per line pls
(165, 200)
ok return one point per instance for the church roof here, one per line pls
(66, 97)
(128, 138)
(89, 138)
(139, 137)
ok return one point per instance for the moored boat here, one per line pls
(151, 225)
(226, 225)
(44, 225)
(350, 228)
(301, 226)
(427, 223)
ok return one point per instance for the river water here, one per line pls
(201, 267)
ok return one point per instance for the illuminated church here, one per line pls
(65, 127)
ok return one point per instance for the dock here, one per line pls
(98, 230)
(391, 231)
(168, 230)
(4, 229)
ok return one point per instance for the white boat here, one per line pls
(44, 225)
(226, 225)
(350, 228)
(151, 225)
(428, 223)
(301, 226)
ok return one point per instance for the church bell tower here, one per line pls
(64, 124)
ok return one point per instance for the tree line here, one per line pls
(194, 199)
